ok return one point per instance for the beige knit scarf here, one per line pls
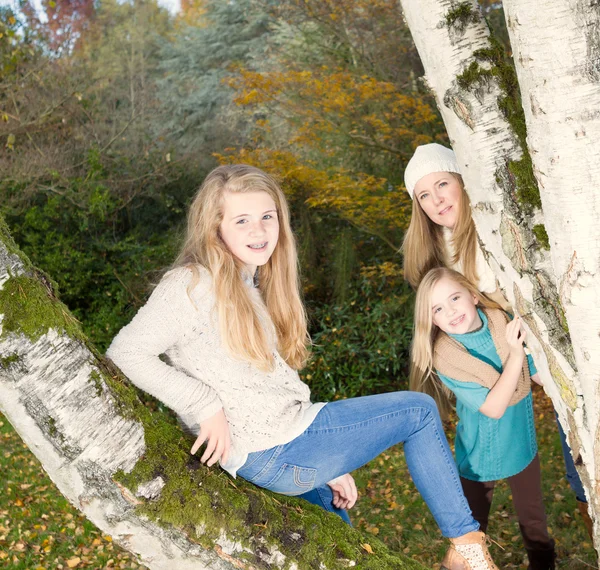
(452, 359)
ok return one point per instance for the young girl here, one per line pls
(220, 341)
(477, 354)
(442, 233)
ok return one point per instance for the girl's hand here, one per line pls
(344, 491)
(215, 431)
(515, 336)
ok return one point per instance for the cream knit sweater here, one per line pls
(172, 350)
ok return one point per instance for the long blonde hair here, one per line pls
(423, 377)
(424, 247)
(240, 325)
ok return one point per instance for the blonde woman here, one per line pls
(220, 341)
(442, 231)
(467, 345)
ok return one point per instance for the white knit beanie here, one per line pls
(429, 158)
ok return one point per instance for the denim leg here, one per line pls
(323, 497)
(346, 434)
(572, 475)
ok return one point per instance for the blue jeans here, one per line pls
(572, 475)
(349, 433)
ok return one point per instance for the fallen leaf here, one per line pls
(73, 562)
(367, 547)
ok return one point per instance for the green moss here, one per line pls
(30, 307)
(52, 431)
(203, 501)
(473, 76)
(501, 68)
(97, 380)
(461, 15)
(563, 318)
(8, 360)
(8, 241)
(528, 192)
(540, 233)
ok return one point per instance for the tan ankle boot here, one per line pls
(587, 520)
(468, 552)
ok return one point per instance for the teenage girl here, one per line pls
(477, 354)
(220, 341)
(442, 233)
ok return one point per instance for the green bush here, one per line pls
(362, 346)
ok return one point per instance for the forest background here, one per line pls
(112, 113)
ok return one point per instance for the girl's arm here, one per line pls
(499, 396)
(536, 378)
(163, 321)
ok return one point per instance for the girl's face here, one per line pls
(439, 195)
(453, 308)
(250, 228)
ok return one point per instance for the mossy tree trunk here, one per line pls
(128, 469)
(557, 58)
(544, 250)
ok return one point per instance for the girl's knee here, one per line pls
(428, 405)
(418, 400)
(424, 401)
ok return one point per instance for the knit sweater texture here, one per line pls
(489, 449)
(487, 279)
(453, 360)
(172, 349)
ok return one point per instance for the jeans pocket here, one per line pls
(292, 480)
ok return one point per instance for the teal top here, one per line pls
(488, 449)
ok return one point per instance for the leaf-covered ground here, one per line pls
(39, 529)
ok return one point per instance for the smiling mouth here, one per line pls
(457, 321)
(445, 210)
(258, 246)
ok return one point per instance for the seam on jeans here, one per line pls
(453, 472)
(301, 486)
(255, 459)
(376, 419)
(269, 464)
(328, 506)
(298, 482)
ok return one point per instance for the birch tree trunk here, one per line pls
(477, 94)
(557, 58)
(129, 470)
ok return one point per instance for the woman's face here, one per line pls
(439, 195)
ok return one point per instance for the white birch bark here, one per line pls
(484, 143)
(54, 391)
(556, 46)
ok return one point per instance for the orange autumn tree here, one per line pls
(365, 201)
(337, 107)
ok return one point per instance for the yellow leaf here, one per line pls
(367, 547)
(73, 562)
